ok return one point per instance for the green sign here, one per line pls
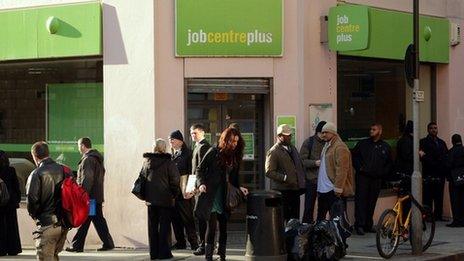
(290, 121)
(348, 28)
(249, 152)
(229, 28)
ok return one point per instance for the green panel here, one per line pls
(24, 34)
(348, 28)
(79, 31)
(18, 34)
(391, 32)
(229, 27)
(75, 110)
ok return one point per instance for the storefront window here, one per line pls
(55, 101)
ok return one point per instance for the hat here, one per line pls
(176, 135)
(284, 129)
(319, 126)
(329, 127)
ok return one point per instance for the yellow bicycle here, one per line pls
(392, 227)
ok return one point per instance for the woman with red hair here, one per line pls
(219, 167)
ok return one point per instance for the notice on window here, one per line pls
(249, 152)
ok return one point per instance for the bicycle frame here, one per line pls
(398, 208)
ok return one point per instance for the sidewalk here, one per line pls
(448, 244)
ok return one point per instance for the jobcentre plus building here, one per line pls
(127, 72)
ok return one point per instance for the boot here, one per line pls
(209, 252)
(222, 252)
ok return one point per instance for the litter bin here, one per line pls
(265, 227)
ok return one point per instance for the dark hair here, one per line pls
(377, 125)
(86, 142)
(431, 124)
(40, 150)
(319, 126)
(456, 139)
(408, 128)
(4, 161)
(227, 155)
(197, 126)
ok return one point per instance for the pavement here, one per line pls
(448, 245)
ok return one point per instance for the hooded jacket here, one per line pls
(91, 175)
(162, 179)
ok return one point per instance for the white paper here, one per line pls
(191, 183)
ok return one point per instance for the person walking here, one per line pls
(91, 175)
(43, 187)
(335, 177)
(455, 162)
(10, 243)
(310, 153)
(183, 212)
(432, 151)
(161, 189)
(285, 170)
(197, 133)
(219, 167)
(372, 161)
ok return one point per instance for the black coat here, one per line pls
(455, 158)
(8, 175)
(405, 155)
(162, 179)
(372, 158)
(213, 176)
(433, 162)
(183, 161)
(198, 153)
(91, 175)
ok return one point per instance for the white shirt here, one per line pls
(324, 184)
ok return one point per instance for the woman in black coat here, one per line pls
(162, 186)
(219, 166)
(455, 163)
(10, 243)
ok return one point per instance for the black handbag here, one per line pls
(457, 176)
(139, 187)
(234, 196)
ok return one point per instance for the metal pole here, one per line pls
(416, 182)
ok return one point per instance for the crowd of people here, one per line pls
(324, 170)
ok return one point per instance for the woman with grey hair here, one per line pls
(160, 190)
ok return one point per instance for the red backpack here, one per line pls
(75, 201)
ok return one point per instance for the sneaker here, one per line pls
(199, 252)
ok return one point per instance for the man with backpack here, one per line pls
(310, 153)
(43, 192)
(90, 175)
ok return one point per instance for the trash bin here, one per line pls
(265, 227)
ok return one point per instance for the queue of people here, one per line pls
(324, 170)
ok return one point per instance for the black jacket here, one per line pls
(43, 188)
(212, 175)
(91, 175)
(455, 158)
(372, 158)
(8, 175)
(162, 179)
(183, 161)
(433, 162)
(405, 155)
(198, 153)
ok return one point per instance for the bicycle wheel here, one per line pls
(428, 228)
(387, 237)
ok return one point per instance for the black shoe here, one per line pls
(75, 250)
(105, 249)
(371, 230)
(360, 231)
(178, 246)
(194, 247)
(199, 252)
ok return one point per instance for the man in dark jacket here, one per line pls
(285, 170)
(42, 189)
(433, 152)
(372, 162)
(455, 163)
(197, 132)
(90, 175)
(310, 153)
(183, 214)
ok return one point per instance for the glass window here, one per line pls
(56, 101)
